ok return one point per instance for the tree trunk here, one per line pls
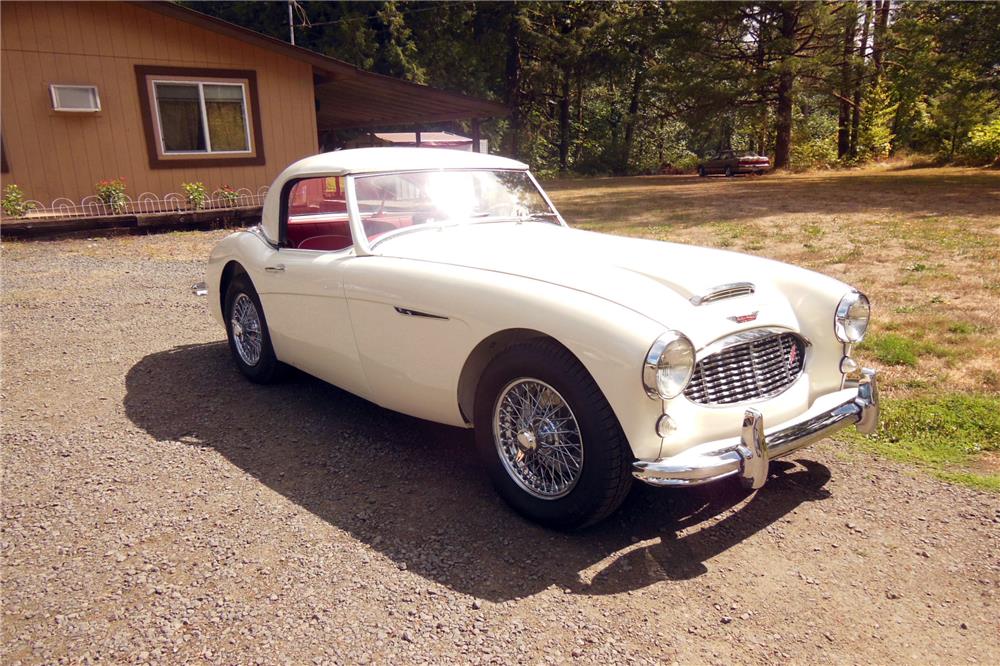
(786, 82)
(844, 117)
(859, 81)
(564, 122)
(760, 131)
(513, 78)
(878, 41)
(630, 120)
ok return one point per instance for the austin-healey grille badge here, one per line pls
(742, 319)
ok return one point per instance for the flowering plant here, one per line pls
(112, 193)
(228, 195)
(196, 194)
(13, 203)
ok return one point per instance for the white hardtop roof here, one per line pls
(369, 160)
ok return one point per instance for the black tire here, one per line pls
(702, 172)
(729, 172)
(605, 477)
(267, 368)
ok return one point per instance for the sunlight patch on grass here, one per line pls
(978, 481)
(896, 349)
(941, 433)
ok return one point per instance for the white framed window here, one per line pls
(76, 99)
(202, 117)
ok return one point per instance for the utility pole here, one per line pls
(291, 23)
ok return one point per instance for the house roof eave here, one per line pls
(327, 66)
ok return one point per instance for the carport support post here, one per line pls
(417, 134)
(475, 135)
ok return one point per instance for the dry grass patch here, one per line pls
(924, 244)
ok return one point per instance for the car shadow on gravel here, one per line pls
(413, 491)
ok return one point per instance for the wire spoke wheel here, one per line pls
(245, 324)
(538, 438)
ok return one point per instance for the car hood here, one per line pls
(654, 278)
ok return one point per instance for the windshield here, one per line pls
(396, 202)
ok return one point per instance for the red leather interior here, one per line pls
(327, 243)
(332, 232)
(317, 208)
(319, 232)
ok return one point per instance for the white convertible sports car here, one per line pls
(445, 285)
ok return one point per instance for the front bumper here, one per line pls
(748, 455)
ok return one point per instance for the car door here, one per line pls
(302, 290)
(412, 342)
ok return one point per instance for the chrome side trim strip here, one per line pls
(418, 313)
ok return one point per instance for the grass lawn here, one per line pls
(924, 244)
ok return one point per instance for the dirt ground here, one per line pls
(157, 508)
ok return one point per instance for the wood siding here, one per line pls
(52, 154)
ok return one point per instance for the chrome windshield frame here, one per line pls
(361, 242)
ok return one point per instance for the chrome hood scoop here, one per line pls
(667, 282)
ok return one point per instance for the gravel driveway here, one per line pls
(158, 508)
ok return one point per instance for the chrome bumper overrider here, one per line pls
(749, 454)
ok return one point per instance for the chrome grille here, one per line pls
(757, 369)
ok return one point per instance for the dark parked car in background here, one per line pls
(730, 163)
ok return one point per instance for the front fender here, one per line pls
(609, 340)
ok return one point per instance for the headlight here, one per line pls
(668, 366)
(851, 321)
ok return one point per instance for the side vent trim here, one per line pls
(724, 291)
(417, 313)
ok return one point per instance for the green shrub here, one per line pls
(196, 194)
(984, 143)
(814, 141)
(112, 193)
(875, 134)
(13, 203)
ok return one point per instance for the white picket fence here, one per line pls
(145, 203)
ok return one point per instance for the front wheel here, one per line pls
(702, 172)
(549, 439)
(246, 328)
(729, 172)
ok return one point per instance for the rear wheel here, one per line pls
(246, 328)
(702, 172)
(729, 172)
(549, 439)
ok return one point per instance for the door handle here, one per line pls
(277, 268)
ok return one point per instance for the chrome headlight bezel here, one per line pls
(845, 325)
(672, 350)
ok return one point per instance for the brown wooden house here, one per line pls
(160, 95)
